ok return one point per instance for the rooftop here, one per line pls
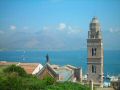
(65, 72)
(28, 67)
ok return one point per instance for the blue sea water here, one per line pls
(76, 58)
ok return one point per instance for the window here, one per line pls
(93, 69)
(92, 36)
(93, 51)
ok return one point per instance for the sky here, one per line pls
(57, 24)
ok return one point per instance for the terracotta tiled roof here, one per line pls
(7, 63)
(29, 67)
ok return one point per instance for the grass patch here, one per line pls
(2, 67)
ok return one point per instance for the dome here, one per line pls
(95, 25)
(94, 20)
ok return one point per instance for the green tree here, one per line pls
(17, 69)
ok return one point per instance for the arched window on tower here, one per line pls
(92, 36)
(93, 69)
(94, 51)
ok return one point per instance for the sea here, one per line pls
(75, 58)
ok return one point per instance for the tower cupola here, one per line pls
(95, 30)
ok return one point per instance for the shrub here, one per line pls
(19, 80)
(67, 86)
(17, 69)
(49, 80)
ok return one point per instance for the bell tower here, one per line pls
(95, 53)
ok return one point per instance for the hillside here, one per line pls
(15, 78)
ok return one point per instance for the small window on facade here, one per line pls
(93, 69)
(93, 51)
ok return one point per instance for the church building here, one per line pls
(60, 73)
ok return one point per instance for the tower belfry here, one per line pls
(95, 53)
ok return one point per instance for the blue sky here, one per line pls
(57, 24)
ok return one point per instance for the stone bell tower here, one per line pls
(95, 53)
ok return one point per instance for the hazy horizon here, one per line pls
(57, 25)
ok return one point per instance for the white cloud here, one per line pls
(62, 26)
(70, 27)
(13, 27)
(73, 30)
(1, 32)
(111, 30)
(25, 28)
(115, 30)
(46, 28)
